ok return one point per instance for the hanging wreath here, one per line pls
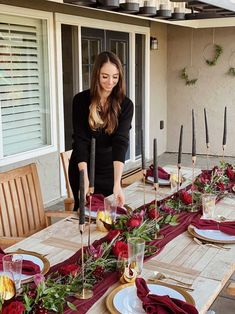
(184, 75)
(231, 70)
(218, 50)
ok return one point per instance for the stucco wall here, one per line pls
(158, 87)
(214, 90)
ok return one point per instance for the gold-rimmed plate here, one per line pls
(215, 236)
(36, 258)
(123, 299)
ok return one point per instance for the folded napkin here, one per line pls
(153, 303)
(162, 174)
(224, 226)
(97, 202)
(28, 267)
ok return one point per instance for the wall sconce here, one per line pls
(153, 43)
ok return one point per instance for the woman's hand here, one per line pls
(118, 195)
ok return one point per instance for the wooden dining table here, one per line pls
(206, 268)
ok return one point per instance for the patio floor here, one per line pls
(224, 303)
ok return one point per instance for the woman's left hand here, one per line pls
(119, 195)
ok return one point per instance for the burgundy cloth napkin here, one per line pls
(162, 174)
(156, 304)
(97, 202)
(225, 226)
(28, 267)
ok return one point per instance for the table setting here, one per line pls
(133, 238)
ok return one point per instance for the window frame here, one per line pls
(114, 26)
(48, 17)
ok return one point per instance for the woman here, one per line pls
(103, 112)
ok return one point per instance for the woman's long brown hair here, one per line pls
(107, 118)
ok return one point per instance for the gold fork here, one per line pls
(160, 276)
(210, 244)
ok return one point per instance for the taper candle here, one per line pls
(81, 198)
(143, 150)
(180, 145)
(92, 164)
(155, 163)
(193, 136)
(225, 127)
(206, 128)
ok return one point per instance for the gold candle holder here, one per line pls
(156, 187)
(85, 293)
(193, 178)
(91, 192)
(144, 187)
(178, 177)
(223, 147)
(207, 156)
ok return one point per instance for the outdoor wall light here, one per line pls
(153, 43)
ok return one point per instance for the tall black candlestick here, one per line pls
(206, 129)
(92, 165)
(193, 136)
(155, 164)
(225, 127)
(180, 145)
(81, 198)
(143, 150)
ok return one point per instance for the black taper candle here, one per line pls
(206, 128)
(180, 145)
(81, 198)
(143, 151)
(225, 127)
(155, 163)
(193, 136)
(92, 164)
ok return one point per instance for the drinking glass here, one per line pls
(208, 205)
(136, 247)
(174, 179)
(110, 207)
(12, 264)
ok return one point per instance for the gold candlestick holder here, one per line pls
(156, 187)
(207, 157)
(144, 185)
(85, 293)
(178, 177)
(223, 147)
(193, 178)
(91, 192)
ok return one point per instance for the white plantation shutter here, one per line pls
(24, 109)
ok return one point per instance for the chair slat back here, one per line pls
(65, 157)
(21, 205)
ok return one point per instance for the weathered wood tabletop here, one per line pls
(207, 268)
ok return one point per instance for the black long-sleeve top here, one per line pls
(118, 141)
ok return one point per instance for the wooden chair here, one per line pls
(131, 176)
(21, 206)
(69, 201)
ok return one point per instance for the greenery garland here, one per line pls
(231, 71)
(185, 77)
(218, 52)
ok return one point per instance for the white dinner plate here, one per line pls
(126, 300)
(94, 213)
(214, 234)
(160, 181)
(36, 258)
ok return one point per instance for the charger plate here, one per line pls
(36, 258)
(215, 236)
(124, 299)
(160, 181)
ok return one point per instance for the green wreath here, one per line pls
(231, 71)
(185, 77)
(218, 52)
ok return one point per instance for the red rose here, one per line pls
(153, 213)
(15, 307)
(71, 269)
(220, 186)
(112, 234)
(120, 248)
(230, 173)
(98, 272)
(135, 221)
(185, 197)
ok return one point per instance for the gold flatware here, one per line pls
(199, 242)
(160, 276)
(152, 280)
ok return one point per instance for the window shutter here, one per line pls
(23, 109)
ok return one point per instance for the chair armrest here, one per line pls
(58, 214)
(10, 240)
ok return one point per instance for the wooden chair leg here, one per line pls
(231, 289)
(68, 204)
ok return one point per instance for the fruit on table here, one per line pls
(7, 288)
(103, 216)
